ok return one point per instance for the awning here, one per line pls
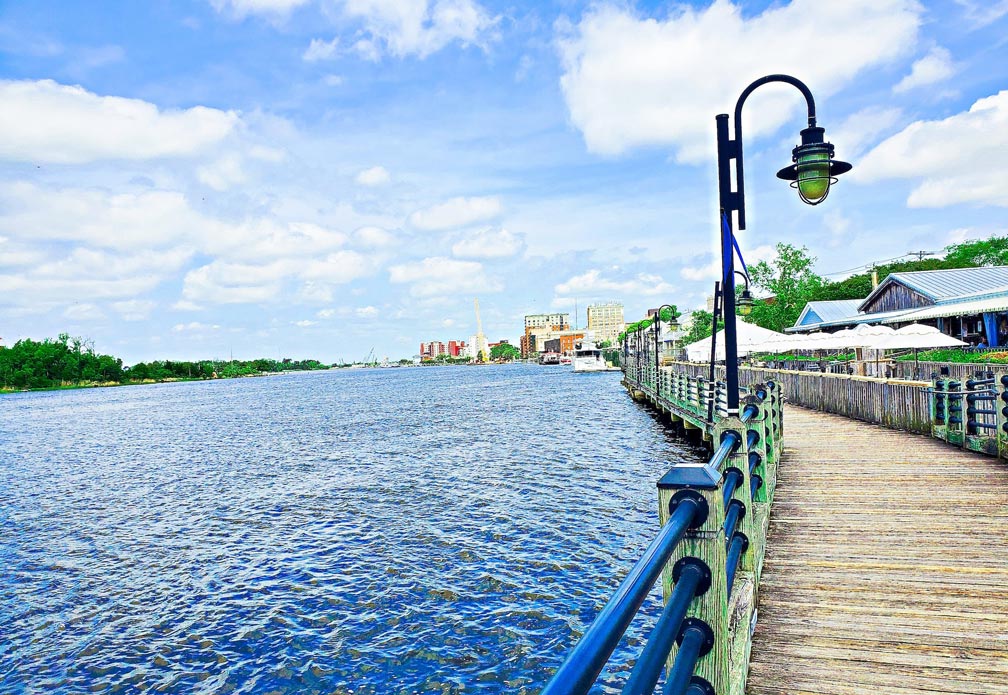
(976, 306)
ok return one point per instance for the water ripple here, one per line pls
(438, 530)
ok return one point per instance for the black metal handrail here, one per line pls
(694, 579)
(582, 666)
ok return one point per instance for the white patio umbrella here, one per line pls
(917, 336)
(868, 336)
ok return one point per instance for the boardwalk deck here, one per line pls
(886, 569)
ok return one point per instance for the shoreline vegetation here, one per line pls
(72, 363)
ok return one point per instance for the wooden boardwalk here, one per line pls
(887, 566)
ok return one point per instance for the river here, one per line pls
(414, 530)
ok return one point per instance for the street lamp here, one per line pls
(673, 324)
(745, 301)
(812, 171)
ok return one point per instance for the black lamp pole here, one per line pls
(813, 171)
(657, 332)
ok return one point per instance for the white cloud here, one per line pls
(592, 283)
(326, 313)
(956, 158)
(366, 312)
(456, 212)
(89, 273)
(375, 176)
(438, 277)
(43, 121)
(862, 129)
(374, 237)
(242, 8)
(305, 323)
(83, 312)
(194, 327)
(134, 309)
(319, 49)
(333, 80)
(631, 81)
(934, 67)
(489, 244)
(223, 173)
(983, 12)
(417, 27)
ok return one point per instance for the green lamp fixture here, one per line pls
(813, 170)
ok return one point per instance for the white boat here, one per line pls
(588, 358)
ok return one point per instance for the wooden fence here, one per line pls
(899, 404)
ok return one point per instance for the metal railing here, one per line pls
(713, 531)
(971, 413)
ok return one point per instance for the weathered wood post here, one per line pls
(706, 544)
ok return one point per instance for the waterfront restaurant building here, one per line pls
(967, 303)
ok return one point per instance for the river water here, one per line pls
(417, 530)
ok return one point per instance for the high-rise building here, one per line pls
(552, 322)
(605, 321)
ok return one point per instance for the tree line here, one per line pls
(789, 282)
(72, 361)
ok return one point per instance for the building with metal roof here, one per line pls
(968, 303)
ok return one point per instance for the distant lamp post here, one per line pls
(812, 172)
(745, 301)
(674, 325)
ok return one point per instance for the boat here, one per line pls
(588, 358)
(565, 359)
(549, 358)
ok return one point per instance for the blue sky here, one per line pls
(317, 177)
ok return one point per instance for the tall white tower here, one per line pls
(481, 347)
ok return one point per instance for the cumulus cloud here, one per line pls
(489, 244)
(134, 309)
(194, 327)
(374, 237)
(416, 27)
(241, 8)
(44, 121)
(436, 277)
(222, 282)
(862, 129)
(223, 173)
(319, 49)
(593, 283)
(83, 312)
(375, 176)
(934, 67)
(456, 212)
(953, 157)
(366, 312)
(630, 81)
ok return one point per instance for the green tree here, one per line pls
(700, 326)
(504, 351)
(973, 254)
(789, 279)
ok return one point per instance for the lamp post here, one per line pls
(812, 171)
(673, 324)
(745, 301)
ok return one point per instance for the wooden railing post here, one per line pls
(706, 544)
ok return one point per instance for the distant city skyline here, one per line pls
(307, 178)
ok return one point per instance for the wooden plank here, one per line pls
(887, 565)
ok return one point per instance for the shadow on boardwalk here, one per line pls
(887, 566)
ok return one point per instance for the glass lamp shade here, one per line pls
(744, 304)
(813, 176)
(814, 169)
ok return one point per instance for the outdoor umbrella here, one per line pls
(918, 335)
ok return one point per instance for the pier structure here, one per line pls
(856, 559)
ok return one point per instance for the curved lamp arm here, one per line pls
(737, 145)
